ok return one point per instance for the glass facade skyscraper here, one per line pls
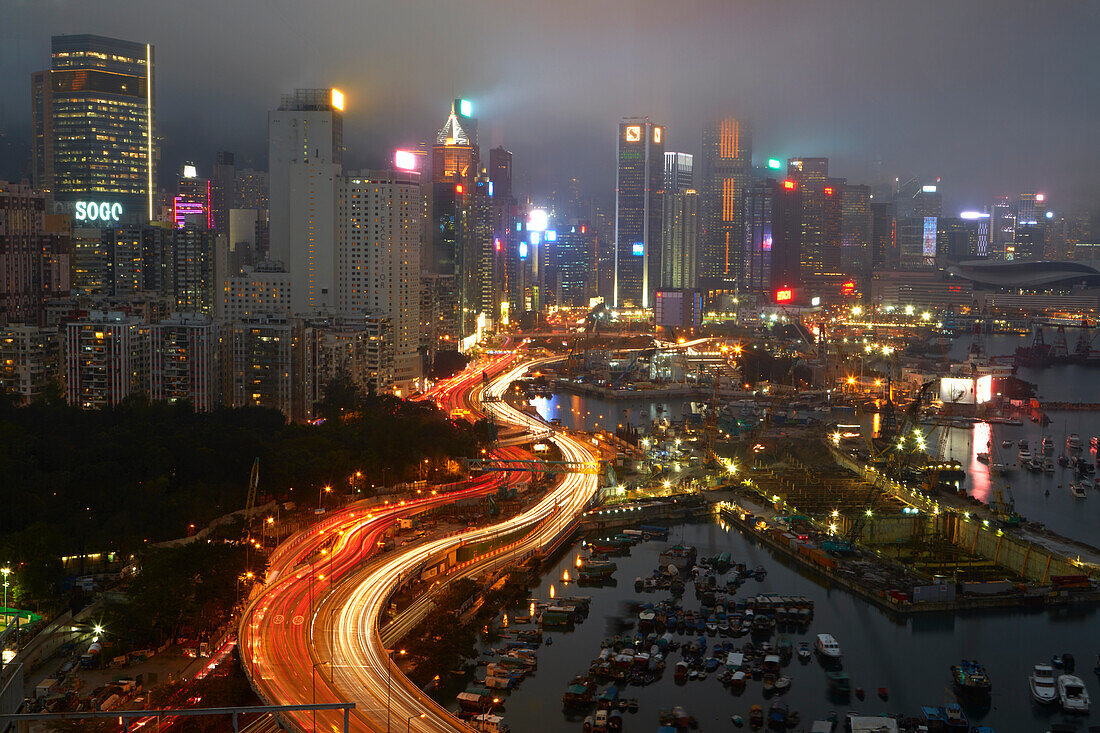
(727, 168)
(639, 182)
(92, 117)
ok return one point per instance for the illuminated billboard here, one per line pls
(775, 163)
(638, 249)
(929, 248)
(465, 108)
(537, 220)
(404, 160)
(983, 391)
(784, 295)
(957, 390)
(338, 99)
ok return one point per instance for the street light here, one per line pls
(6, 572)
(408, 723)
(320, 495)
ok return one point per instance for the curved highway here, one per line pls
(335, 652)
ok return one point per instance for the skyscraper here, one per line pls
(855, 233)
(773, 236)
(811, 175)
(378, 259)
(638, 210)
(223, 184)
(1002, 227)
(680, 240)
(192, 204)
(305, 155)
(455, 250)
(92, 118)
(34, 261)
(679, 172)
(727, 167)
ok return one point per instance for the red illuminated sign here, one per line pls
(828, 190)
(458, 188)
(789, 185)
(498, 245)
(784, 295)
(848, 288)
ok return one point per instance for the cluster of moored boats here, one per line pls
(1054, 683)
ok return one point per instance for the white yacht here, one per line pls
(826, 646)
(1078, 491)
(1044, 687)
(1072, 694)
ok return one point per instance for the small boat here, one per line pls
(737, 721)
(839, 684)
(777, 715)
(782, 683)
(970, 678)
(804, 652)
(737, 681)
(1063, 460)
(825, 645)
(955, 719)
(1006, 443)
(1072, 694)
(883, 694)
(1073, 443)
(859, 693)
(983, 457)
(1078, 491)
(1042, 682)
(756, 716)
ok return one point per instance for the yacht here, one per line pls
(826, 646)
(1078, 491)
(1048, 446)
(1072, 694)
(1044, 688)
(1073, 443)
(1025, 452)
(1048, 465)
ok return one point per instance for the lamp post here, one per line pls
(6, 572)
(320, 495)
(408, 723)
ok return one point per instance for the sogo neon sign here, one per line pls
(97, 211)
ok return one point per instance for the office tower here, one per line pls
(192, 204)
(917, 232)
(92, 118)
(194, 270)
(106, 359)
(639, 181)
(773, 236)
(575, 262)
(680, 239)
(305, 156)
(1030, 208)
(832, 215)
(250, 189)
(260, 290)
(223, 185)
(263, 368)
(505, 214)
(1002, 227)
(378, 258)
(855, 232)
(727, 169)
(189, 360)
(884, 249)
(30, 360)
(811, 175)
(679, 172)
(455, 249)
(482, 273)
(1029, 242)
(35, 251)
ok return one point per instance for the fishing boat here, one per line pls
(804, 652)
(970, 678)
(756, 716)
(1072, 694)
(782, 683)
(489, 723)
(955, 719)
(1042, 682)
(1047, 446)
(839, 684)
(777, 715)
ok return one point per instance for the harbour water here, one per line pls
(909, 657)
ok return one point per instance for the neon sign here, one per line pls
(784, 295)
(97, 211)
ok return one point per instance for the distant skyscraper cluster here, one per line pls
(218, 282)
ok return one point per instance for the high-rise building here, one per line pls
(773, 236)
(574, 262)
(505, 213)
(35, 250)
(189, 360)
(256, 291)
(223, 184)
(250, 190)
(811, 175)
(639, 182)
(194, 270)
(378, 259)
(355, 348)
(93, 118)
(30, 360)
(884, 243)
(192, 204)
(680, 239)
(855, 233)
(106, 359)
(1002, 227)
(263, 363)
(305, 157)
(727, 170)
(679, 172)
(456, 248)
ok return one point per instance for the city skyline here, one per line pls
(893, 101)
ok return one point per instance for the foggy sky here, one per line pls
(995, 96)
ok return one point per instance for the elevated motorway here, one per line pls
(315, 636)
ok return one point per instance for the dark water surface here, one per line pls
(910, 657)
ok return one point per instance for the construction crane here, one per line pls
(253, 484)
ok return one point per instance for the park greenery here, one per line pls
(122, 479)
